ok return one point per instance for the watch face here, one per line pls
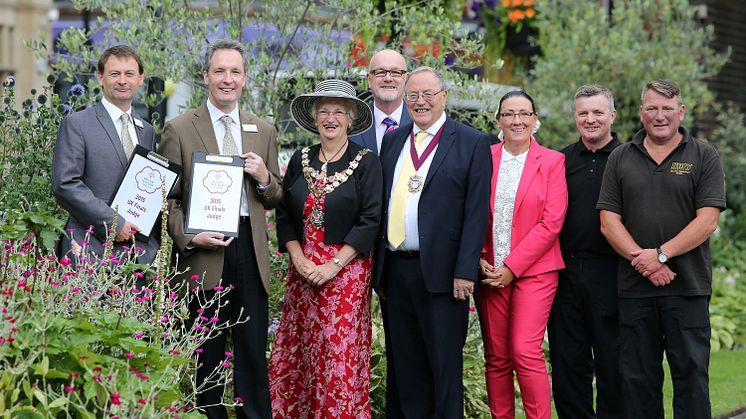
(662, 258)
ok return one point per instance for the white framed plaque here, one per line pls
(139, 197)
(215, 195)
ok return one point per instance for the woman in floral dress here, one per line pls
(328, 222)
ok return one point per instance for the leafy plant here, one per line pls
(639, 41)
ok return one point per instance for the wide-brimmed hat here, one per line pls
(302, 106)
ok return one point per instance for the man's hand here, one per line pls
(254, 166)
(645, 261)
(127, 233)
(211, 240)
(462, 288)
(662, 276)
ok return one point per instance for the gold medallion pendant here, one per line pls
(317, 217)
(415, 183)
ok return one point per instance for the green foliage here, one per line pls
(728, 304)
(642, 40)
(78, 339)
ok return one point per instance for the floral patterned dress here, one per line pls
(320, 362)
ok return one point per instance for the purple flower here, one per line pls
(490, 4)
(76, 90)
(9, 82)
(475, 4)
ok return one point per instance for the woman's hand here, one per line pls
(488, 271)
(303, 265)
(499, 277)
(321, 274)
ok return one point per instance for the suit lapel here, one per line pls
(393, 150)
(203, 126)
(533, 162)
(105, 120)
(140, 130)
(248, 139)
(446, 141)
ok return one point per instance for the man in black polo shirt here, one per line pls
(660, 200)
(583, 324)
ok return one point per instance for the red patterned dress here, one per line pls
(320, 362)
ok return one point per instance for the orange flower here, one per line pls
(506, 3)
(530, 13)
(515, 15)
(528, 3)
(517, 2)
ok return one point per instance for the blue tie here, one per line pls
(390, 124)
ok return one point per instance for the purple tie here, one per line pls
(390, 124)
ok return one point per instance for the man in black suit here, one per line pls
(387, 74)
(437, 184)
(92, 151)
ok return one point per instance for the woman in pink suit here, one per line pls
(520, 260)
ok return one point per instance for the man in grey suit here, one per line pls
(387, 74)
(92, 152)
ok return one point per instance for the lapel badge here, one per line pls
(249, 128)
(139, 123)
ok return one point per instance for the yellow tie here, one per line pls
(400, 195)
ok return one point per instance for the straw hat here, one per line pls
(302, 106)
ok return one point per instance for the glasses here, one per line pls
(381, 73)
(427, 95)
(336, 114)
(521, 115)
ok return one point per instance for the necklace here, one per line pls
(323, 166)
(319, 184)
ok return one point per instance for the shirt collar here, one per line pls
(216, 114)
(608, 148)
(433, 129)
(506, 156)
(379, 116)
(114, 112)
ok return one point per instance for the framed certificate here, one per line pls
(215, 195)
(139, 197)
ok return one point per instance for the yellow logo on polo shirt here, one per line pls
(680, 168)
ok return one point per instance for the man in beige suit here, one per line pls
(218, 127)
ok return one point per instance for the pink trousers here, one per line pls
(513, 321)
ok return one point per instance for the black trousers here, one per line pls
(680, 326)
(250, 380)
(584, 339)
(425, 336)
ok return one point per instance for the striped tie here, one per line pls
(126, 138)
(390, 124)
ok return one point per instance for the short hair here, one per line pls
(514, 93)
(667, 88)
(119, 51)
(588, 90)
(351, 111)
(426, 69)
(223, 44)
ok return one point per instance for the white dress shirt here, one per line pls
(116, 114)
(508, 178)
(379, 116)
(219, 128)
(411, 229)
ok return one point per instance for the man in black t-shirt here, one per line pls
(584, 321)
(660, 200)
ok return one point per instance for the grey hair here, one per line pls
(667, 88)
(426, 69)
(351, 111)
(223, 44)
(588, 90)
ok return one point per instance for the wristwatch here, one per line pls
(338, 262)
(662, 256)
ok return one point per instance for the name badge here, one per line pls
(139, 123)
(249, 128)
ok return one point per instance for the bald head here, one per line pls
(386, 78)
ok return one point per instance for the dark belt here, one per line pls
(404, 254)
(244, 219)
(582, 254)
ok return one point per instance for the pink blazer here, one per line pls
(540, 206)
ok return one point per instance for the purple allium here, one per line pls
(76, 90)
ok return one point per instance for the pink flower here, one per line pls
(129, 355)
(229, 354)
(69, 389)
(164, 319)
(96, 378)
(219, 288)
(195, 277)
(214, 319)
(226, 364)
(138, 335)
(65, 261)
(139, 274)
(238, 399)
(199, 350)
